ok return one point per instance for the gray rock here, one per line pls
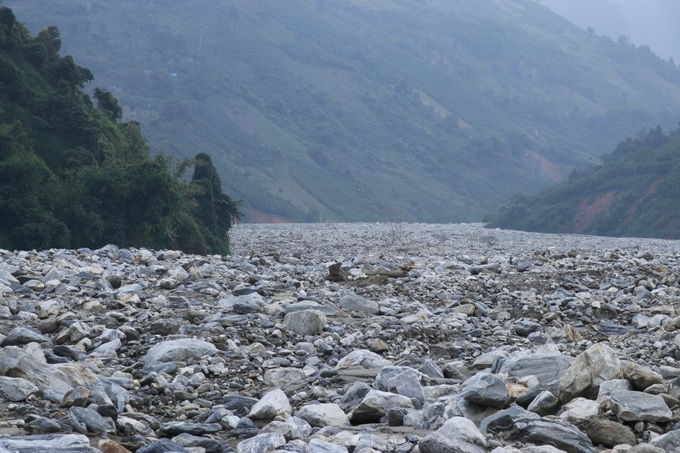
(640, 376)
(18, 363)
(504, 421)
(362, 358)
(163, 446)
(183, 350)
(431, 369)
(406, 383)
(486, 390)
(16, 389)
(356, 303)
(455, 435)
(321, 446)
(546, 403)
(169, 429)
(602, 431)
(271, 405)
(325, 414)
(375, 406)
(353, 396)
(552, 432)
(43, 425)
(305, 322)
(547, 368)
(638, 406)
(668, 441)
(57, 443)
(261, 443)
(94, 422)
(190, 441)
(22, 335)
(588, 370)
(284, 377)
(578, 410)
(525, 327)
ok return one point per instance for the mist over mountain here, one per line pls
(430, 111)
(652, 23)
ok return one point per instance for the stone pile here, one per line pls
(345, 338)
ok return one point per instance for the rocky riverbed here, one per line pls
(330, 338)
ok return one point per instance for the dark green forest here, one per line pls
(347, 110)
(73, 174)
(634, 192)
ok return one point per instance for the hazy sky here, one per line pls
(646, 22)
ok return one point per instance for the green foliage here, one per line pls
(214, 211)
(72, 175)
(344, 110)
(634, 192)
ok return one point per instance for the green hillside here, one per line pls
(635, 192)
(72, 174)
(433, 111)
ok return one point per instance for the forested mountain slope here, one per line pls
(72, 174)
(635, 192)
(404, 110)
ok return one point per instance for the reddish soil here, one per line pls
(588, 211)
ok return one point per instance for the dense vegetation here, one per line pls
(403, 110)
(634, 192)
(73, 175)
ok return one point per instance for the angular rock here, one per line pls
(630, 405)
(94, 422)
(458, 435)
(261, 443)
(486, 390)
(325, 414)
(271, 405)
(169, 429)
(22, 335)
(588, 370)
(16, 389)
(546, 403)
(375, 406)
(356, 303)
(353, 396)
(284, 377)
(362, 358)
(602, 431)
(18, 363)
(579, 409)
(57, 443)
(561, 435)
(305, 322)
(547, 368)
(406, 383)
(182, 350)
(640, 376)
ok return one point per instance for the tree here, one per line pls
(108, 103)
(214, 210)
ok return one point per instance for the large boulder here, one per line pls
(587, 371)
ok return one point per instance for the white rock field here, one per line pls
(388, 337)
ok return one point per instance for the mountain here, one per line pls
(650, 23)
(73, 175)
(347, 110)
(634, 192)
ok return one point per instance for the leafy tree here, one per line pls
(74, 175)
(108, 103)
(214, 210)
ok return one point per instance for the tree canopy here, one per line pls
(73, 175)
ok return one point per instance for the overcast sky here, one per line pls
(646, 22)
